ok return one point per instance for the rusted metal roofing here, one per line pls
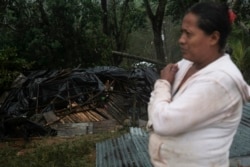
(129, 150)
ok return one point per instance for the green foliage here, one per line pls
(10, 67)
(61, 33)
(239, 41)
(238, 53)
(176, 9)
(125, 17)
(242, 9)
(56, 33)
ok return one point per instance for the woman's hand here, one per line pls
(168, 72)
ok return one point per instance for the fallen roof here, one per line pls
(76, 95)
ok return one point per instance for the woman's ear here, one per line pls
(215, 37)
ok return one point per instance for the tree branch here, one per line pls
(138, 58)
(160, 12)
(149, 10)
(9, 26)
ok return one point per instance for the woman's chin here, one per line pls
(185, 55)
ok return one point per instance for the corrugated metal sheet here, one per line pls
(129, 150)
(241, 144)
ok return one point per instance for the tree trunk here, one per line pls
(158, 44)
(119, 30)
(44, 16)
(105, 28)
(156, 21)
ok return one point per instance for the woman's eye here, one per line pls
(186, 33)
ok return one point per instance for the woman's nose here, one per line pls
(181, 39)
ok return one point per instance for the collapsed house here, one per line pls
(75, 101)
(80, 101)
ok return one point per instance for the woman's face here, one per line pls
(194, 42)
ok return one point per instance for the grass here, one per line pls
(53, 151)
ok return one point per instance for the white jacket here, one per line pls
(196, 126)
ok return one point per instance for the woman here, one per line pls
(196, 105)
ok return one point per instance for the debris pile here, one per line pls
(41, 100)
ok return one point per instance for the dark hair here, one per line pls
(213, 17)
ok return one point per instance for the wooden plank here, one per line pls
(73, 129)
(50, 117)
